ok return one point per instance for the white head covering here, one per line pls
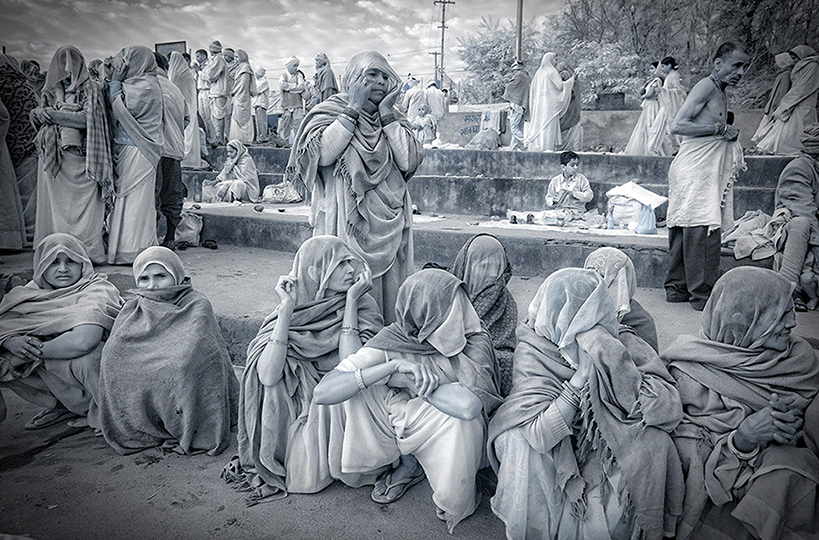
(450, 338)
(292, 62)
(617, 271)
(162, 256)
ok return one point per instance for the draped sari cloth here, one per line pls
(139, 112)
(180, 73)
(781, 85)
(549, 97)
(671, 98)
(284, 438)
(725, 374)
(165, 375)
(325, 79)
(797, 109)
(12, 221)
(617, 271)
(646, 136)
(40, 310)
(435, 326)
(72, 187)
(362, 198)
(485, 270)
(611, 473)
(244, 86)
(238, 178)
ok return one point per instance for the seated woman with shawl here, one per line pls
(581, 445)
(238, 180)
(165, 377)
(617, 271)
(421, 390)
(354, 152)
(325, 314)
(52, 333)
(485, 270)
(745, 384)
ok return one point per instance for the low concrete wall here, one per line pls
(606, 131)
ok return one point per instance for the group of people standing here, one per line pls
(545, 111)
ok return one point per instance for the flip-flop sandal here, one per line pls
(800, 305)
(49, 417)
(81, 422)
(210, 244)
(383, 486)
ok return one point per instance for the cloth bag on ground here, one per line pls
(647, 221)
(281, 193)
(630, 202)
(188, 229)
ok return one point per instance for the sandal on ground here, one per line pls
(440, 513)
(384, 487)
(49, 417)
(799, 304)
(210, 244)
(81, 422)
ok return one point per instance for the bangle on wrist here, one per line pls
(359, 379)
(745, 456)
(351, 113)
(277, 341)
(387, 119)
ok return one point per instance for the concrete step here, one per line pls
(489, 183)
(533, 250)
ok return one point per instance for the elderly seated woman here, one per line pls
(421, 390)
(745, 383)
(325, 314)
(166, 378)
(581, 445)
(52, 333)
(238, 181)
(485, 270)
(617, 271)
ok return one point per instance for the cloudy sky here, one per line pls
(269, 30)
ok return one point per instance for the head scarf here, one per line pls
(450, 337)
(260, 72)
(365, 60)
(215, 47)
(803, 51)
(241, 56)
(162, 256)
(12, 63)
(323, 58)
(315, 262)
(571, 301)
(67, 65)
(746, 320)
(482, 263)
(51, 246)
(293, 62)
(178, 68)
(617, 271)
(94, 69)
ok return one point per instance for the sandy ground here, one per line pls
(64, 483)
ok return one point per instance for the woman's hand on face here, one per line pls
(286, 288)
(24, 347)
(424, 380)
(386, 105)
(363, 283)
(581, 376)
(359, 92)
(119, 72)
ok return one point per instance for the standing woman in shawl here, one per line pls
(421, 390)
(785, 62)
(244, 85)
(238, 180)
(549, 97)
(325, 79)
(745, 384)
(670, 97)
(260, 103)
(355, 153)
(617, 271)
(52, 332)
(797, 109)
(75, 171)
(645, 134)
(136, 101)
(485, 270)
(581, 445)
(19, 100)
(12, 222)
(325, 315)
(165, 376)
(183, 77)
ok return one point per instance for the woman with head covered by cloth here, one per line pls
(52, 331)
(419, 394)
(746, 386)
(136, 103)
(165, 376)
(287, 442)
(355, 153)
(617, 271)
(581, 445)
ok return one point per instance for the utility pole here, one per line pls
(435, 72)
(519, 37)
(443, 27)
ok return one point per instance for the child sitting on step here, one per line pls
(569, 191)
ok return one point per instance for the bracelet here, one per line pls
(347, 117)
(351, 328)
(745, 456)
(277, 341)
(574, 391)
(350, 113)
(360, 380)
(570, 397)
(387, 119)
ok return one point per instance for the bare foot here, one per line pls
(81, 422)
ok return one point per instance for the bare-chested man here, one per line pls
(700, 196)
